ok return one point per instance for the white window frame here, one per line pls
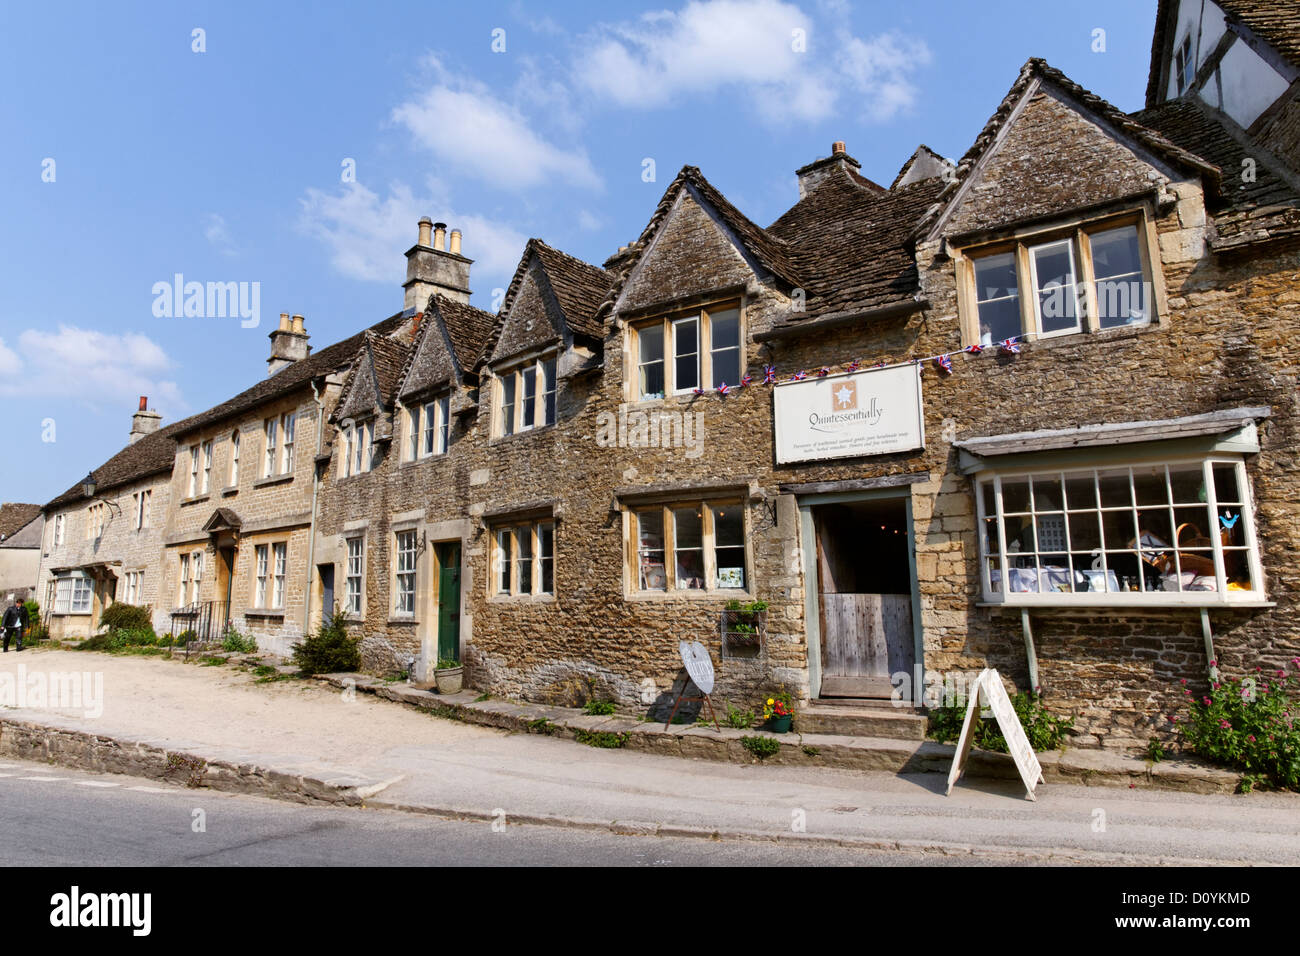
(142, 502)
(641, 572)
(234, 458)
(288, 427)
(1073, 291)
(205, 478)
(512, 419)
(73, 593)
(60, 529)
(1220, 596)
(431, 427)
(196, 576)
(184, 580)
(280, 575)
(269, 431)
(520, 560)
(194, 472)
(261, 571)
(1079, 236)
(354, 570)
(405, 567)
(704, 351)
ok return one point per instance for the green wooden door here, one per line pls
(449, 601)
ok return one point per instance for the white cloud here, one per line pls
(367, 234)
(589, 221)
(753, 45)
(93, 367)
(215, 231)
(472, 131)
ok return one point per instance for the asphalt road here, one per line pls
(55, 817)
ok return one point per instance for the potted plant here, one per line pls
(778, 712)
(448, 675)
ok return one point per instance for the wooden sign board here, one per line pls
(988, 685)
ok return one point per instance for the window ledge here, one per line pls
(264, 612)
(522, 599)
(408, 619)
(520, 434)
(1171, 603)
(718, 594)
(272, 480)
(229, 490)
(194, 500)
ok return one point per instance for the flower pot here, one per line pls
(448, 680)
(779, 725)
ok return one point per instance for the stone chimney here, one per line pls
(432, 268)
(145, 421)
(288, 343)
(838, 163)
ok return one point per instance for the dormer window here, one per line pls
(526, 397)
(358, 449)
(1091, 277)
(679, 353)
(428, 428)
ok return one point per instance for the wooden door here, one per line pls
(866, 636)
(448, 602)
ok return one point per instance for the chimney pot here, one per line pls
(298, 326)
(144, 402)
(143, 422)
(837, 148)
(284, 321)
(425, 225)
(455, 242)
(440, 236)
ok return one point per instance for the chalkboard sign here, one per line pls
(989, 685)
(695, 658)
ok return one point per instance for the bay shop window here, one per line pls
(1178, 532)
(697, 349)
(689, 547)
(1085, 278)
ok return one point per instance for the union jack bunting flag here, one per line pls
(944, 363)
(769, 374)
(1009, 346)
(798, 376)
(975, 349)
(724, 388)
(746, 379)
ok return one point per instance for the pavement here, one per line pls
(56, 817)
(218, 727)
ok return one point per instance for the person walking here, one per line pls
(14, 622)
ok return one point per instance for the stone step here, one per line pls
(862, 720)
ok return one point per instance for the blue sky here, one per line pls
(227, 165)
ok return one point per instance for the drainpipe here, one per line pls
(1207, 634)
(1031, 655)
(315, 494)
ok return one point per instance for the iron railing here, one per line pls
(202, 622)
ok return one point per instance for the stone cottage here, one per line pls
(1033, 410)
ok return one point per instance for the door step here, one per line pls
(860, 718)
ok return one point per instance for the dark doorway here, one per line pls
(864, 587)
(448, 600)
(326, 572)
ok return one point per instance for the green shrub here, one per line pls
(166, 641)
(1045, 730)
(1248, 724)
(330, 650)
(598, 708)
(126, 617)
(238, 643)
(447, 663)
(600, 738)
(760, 747)
(739, 719)
(185, 637)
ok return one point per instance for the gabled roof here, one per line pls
(297, 376)
(854, 244)
(453, 336)
(771, 252)
(15, 516)
(372, 381)
(1267, 207)
(223, 519)
(1276, 22)
(1038, 70)
(925, 155)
